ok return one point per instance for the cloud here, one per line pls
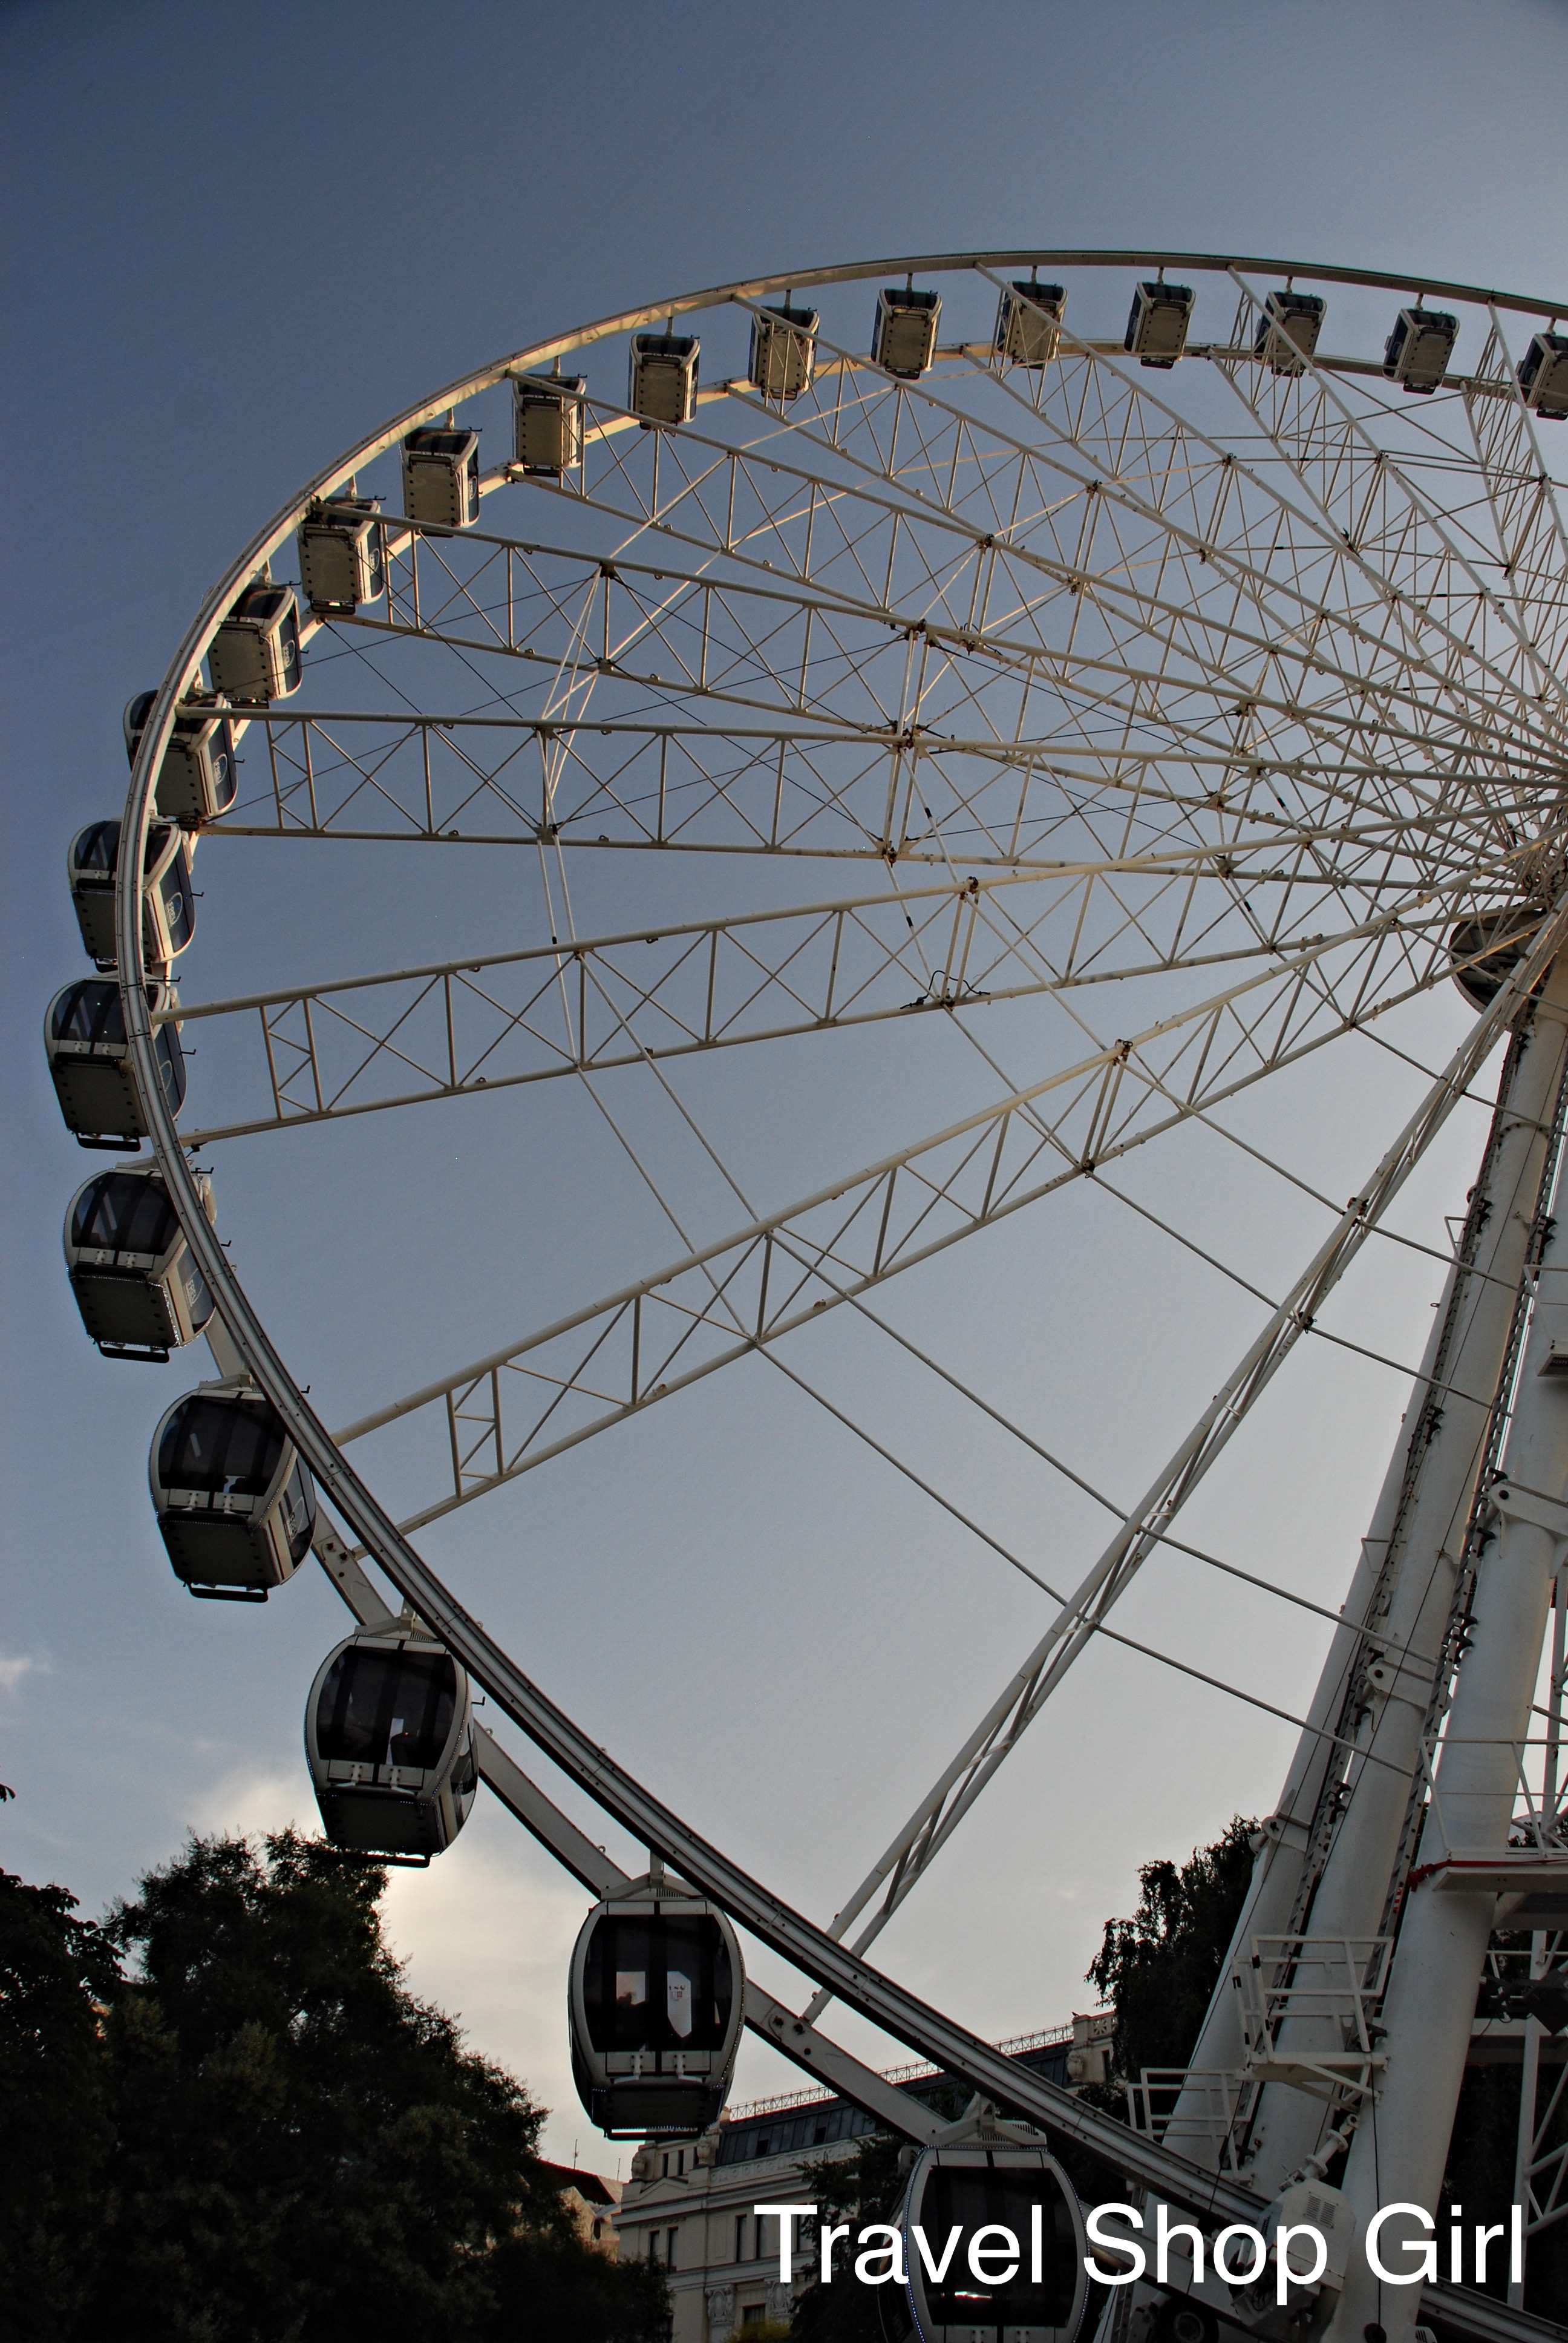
(14, 1672)
(487, 1934)
(251, 1805)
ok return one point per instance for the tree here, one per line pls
(1477, 2183)
(301, 2149)
(866, 2186)
(1159, 1967)
(55, 1972)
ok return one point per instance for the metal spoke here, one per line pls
(1190, 718)
(909, 1854)
(508, 1413)
(456, 1027)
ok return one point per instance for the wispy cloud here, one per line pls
(488, 1932)
(250, 1804)
(14, 1672)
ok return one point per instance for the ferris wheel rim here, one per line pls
(169, 1149)
(156, 733)
(273, 532)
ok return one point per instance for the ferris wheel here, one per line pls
(1112, 712)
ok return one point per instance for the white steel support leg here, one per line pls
(1540, 1952)
(1272, 1890)
(1529, 2083)
(1417, 1582)
(1401, 2147)
(1350, 1898)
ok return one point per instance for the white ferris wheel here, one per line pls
(1130, 715)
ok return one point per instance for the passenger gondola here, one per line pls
(548, 423)
(441, 478)
(1418, 350)
(656, 2008)
(90, 1063)
(255, 655)
(341, 556)
(1158, 322)
(168, 899)
(904, 331)
(1287, 331)
(198, 776)
(783, 350)
(139, 1290)
(1003, 2239)
(1543, 374)
(389, 1736)
(1028, 321)
(662, 378)
(235, 1499)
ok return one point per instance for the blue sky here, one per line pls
(238, 239)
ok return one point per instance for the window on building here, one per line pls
(757, 2246)
(740, 2236)
(664, 2168)
(680, 2162)
(670, 2237)
(754, 2313)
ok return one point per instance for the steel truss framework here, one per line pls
(1229, 702)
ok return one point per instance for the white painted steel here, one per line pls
(1400, 2150)
(1497, 674)
(1350, 1837)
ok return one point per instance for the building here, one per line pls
(591, 2200)
(689, 2206)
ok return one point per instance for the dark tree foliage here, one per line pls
(55, 2133)
(1159, 1967)
(1478, 2186)
(295, 2148)
(866, 2186)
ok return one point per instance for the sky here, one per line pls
(237, 241)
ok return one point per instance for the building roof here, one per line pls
(590, 2186)
(810, 2120)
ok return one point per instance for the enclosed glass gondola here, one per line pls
(389, 1737)
(1288, 329)
(783, 350)
(999, 2257)
(1418, 350)
(234, 1500)
(198, 776)
(441, 478)
(137, 1287)
(168, 899)
(1028, 321)
(662, 377)
(341, 556)
(90, 1065)
(656, 2008)
(548, 423)
(1543, 377)
(1158, 321)
(254, 654)
(904, 330)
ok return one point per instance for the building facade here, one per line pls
(691, 2206)
(590, 2200)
